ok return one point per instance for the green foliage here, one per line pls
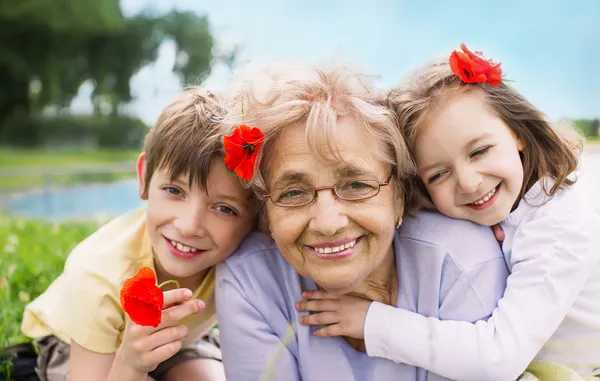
(49, 48)
(69, 130)
(33, 254)
(194, 45)
(588, 127)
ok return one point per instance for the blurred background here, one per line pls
(81, 82)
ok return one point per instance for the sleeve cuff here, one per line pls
(375, 330)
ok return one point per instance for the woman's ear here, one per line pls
(141, 176)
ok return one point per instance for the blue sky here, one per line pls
(549, 48)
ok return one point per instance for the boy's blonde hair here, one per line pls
(278, 95)
(186, 138)
(546, 153)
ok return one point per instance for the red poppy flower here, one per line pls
(142, 299)
(241, 150)
(474, 68)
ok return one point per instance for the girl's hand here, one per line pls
(343, 316)
(143, 348)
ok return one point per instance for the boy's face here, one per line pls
(191, 230)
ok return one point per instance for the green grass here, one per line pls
(28, 159)
(10, 157)
(35, 181)
(33, 254)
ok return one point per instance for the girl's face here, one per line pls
(468, 159)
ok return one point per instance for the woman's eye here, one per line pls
(481, 151)
(357, 185)
(292, 193)
(173, 191)
(227, 210)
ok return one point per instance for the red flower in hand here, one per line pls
(142, 299)
(241, 149)
(474, 68)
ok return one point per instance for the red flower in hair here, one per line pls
(142, 299)
(241, 150)
(474, 68)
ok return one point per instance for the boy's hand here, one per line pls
(343, 316)
(143, 348)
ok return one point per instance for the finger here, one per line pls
(322, 318)
(330, 330)
(498, 232)
(165, 336)
(318, 294)
(177, 296)
(172, 315)
(318, 305)
(162, 353)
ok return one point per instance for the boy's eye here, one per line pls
(480, 151)
(227, 210)
(173, 190)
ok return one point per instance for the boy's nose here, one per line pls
(191, 224)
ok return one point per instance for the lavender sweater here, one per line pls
(448, 269)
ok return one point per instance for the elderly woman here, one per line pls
(331, 173)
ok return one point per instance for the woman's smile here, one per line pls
(336, 250)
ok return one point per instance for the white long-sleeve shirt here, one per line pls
(550, 309)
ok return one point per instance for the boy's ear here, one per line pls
(141, 175)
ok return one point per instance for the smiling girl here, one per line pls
(487, 155)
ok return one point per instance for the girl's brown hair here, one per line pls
(545, 153)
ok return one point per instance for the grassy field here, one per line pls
(32, 254)
(43, 158)
(31, 161)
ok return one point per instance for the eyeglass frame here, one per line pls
(332, 189)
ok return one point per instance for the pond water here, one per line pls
(99, 200)
(111, 199)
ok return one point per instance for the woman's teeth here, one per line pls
(183, 248)
(334, 249)
(485, 198)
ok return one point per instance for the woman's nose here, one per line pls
(327, 218)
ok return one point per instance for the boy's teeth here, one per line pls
(485, 198)
(183, 248)
(334, 249)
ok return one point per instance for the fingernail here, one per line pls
(187, 293)
(201, 304)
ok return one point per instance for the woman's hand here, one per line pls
(143, 348)
(343, 316)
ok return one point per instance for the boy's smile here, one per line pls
(192, 229)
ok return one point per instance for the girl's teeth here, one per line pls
(485, 198)
(334, 249)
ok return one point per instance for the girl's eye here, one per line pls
(481, 151)
(435, 177)
(173, 191)
(227, 210)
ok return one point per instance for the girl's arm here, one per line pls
(252, 350)
(551, 259)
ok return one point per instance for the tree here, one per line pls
(59, 44)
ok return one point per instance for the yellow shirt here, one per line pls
(83, 305)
